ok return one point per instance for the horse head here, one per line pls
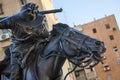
(79, 49)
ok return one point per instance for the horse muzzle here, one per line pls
(99, 50)
(101, 46)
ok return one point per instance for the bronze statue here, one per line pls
(37, 54)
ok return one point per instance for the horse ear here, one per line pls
(54, 31)
(59, 26)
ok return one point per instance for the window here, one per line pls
(77, 73)
(1, 9)
(109, 77)
(94, 30)
(111, 37)
(115, 49)
(114, 29)
(107, 26)
(23, 2)
(118, 60)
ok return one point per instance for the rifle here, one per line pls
(51, 11)
(43, 12)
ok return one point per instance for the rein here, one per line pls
(79, 47)
(80, 59)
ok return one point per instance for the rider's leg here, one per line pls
(16, 70)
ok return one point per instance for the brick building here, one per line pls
(106, 30)
(10, 7)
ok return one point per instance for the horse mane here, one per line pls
(59, 28)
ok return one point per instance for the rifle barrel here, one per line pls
(51, 11)
(44, 12)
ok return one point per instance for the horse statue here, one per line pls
(64, 43)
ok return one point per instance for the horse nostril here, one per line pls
(98, 43)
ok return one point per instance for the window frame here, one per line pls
(94, 30)
(118, 60)
(110, 77)
(107, 26)
(111, 37)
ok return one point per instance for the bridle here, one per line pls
(78, 59)
(79, 62)
(79, 47)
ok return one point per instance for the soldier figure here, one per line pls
(28, 30)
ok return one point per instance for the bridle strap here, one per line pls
(79, 47)
(81, 43)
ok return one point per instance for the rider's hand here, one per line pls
(29, 11)
(32, 8)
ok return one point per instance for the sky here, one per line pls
(83, 11)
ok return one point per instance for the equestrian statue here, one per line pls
(38, 54)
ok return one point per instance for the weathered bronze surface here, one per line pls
(36, 54)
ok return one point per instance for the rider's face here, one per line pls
(44, 31)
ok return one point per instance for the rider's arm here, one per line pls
(9, 22)
(28, 13)
(5, 23)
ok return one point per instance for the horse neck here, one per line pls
(59, 62)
